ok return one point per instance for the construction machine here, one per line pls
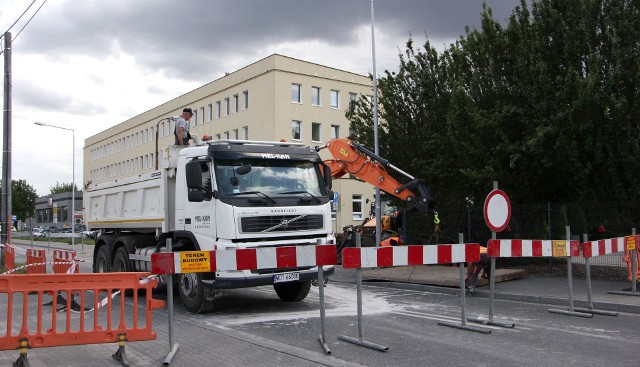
(350, 157)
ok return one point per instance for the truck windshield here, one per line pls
(269, 177)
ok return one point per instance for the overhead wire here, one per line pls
(20, 17)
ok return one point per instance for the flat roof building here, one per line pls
(275, 98)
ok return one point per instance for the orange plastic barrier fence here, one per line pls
(100, 316)
(63, 256)
(36, 257)
(9, 257)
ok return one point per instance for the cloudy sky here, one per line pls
(88, 65)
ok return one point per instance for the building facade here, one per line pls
(276, 98)
(55, 210)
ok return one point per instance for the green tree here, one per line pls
(547, 104)
(23, 199)
(61, 187)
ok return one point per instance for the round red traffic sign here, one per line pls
(497, 210)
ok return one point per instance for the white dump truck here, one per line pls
(216, 195)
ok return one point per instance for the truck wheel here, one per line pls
(292, 292)
(102, 262)
(121, 262)
(196, 297)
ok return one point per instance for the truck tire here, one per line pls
(121, 262)
(196, 297)
(102, 262)
(292, 292)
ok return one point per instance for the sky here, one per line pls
(88, 65)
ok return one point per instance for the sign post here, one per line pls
(497, 213)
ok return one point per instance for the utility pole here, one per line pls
(5, 206)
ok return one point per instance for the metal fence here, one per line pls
(531, 221)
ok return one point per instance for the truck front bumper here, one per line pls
(254, 280)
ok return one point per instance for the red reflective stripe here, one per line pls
(415, 255)
(351, 258)
(516, 248)
(472, 252)
(587, 250)
(493, 248)
(602, 248)
(536, 248)
(574, 248)
(162, 263)
(246, 259)
(286, 257)
(444, 254)
(326, 255)
(212, 263)
(385, 256)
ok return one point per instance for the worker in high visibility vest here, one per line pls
(474, 269)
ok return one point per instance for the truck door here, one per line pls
(199, 209)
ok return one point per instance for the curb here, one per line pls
(542, 300)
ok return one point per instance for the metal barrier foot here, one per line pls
(571, 313)
(491, 322)
(22, 361)
(121, 354)
(465, 327)
(594, 311)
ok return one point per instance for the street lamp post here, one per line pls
(73, 183)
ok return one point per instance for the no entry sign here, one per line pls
(497, 210)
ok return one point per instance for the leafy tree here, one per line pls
(548, 105)
(23, 199)
(61, 187)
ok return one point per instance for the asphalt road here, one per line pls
(407, 323)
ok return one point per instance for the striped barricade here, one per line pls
(629, 245)
(285, 257)
(243, 259)
(372, 257)
(63, 261)
(539, 248)
(533, 248)
(40, 325)
(36, 261)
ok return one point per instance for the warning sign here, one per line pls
(559, 248)
(631, 243)
(195, 261)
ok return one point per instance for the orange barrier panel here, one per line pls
(36, 257)
(9, 257)
(50, 326)
(63, 256)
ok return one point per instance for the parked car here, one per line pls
(40, 232)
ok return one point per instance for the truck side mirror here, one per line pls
(327, 177)
(193, 174)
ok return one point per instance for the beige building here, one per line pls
(275, 98)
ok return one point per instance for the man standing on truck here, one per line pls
(182, 127)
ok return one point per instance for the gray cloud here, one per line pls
(188, 39)
(29, 94)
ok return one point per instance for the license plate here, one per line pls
(288, 277)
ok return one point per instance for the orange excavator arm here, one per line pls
(356, 160)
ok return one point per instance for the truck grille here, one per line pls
(281, 223)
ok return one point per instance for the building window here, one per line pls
(353, 99)
(316, 135)
(296, 93)
(226, 107)
(209, 112)
(235, 103)
(315, 96)
(218, 113)
(194, 119)
(245, 98)
(335, 98)
(235, 134)
(201, 116)
(335, 131)
(226, 135)
(245, 133)
(356, 207)
(217, 136)
(296, 130)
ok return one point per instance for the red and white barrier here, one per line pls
(609, 246)
(243, 259)
(371, 257)
(533, 248)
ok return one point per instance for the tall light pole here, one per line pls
(73, 183)
(378, 204)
